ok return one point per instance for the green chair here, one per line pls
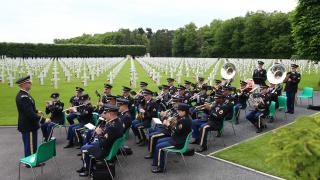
(64, 125)
(45, 152)
(95, 118)
(282, 100)
(272, 110)
(113, 153)
(232, 121)
(307, 93)
(180, 151)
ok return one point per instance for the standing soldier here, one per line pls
(292, 80)
(259, 75)
(55, 107)
(28, 116)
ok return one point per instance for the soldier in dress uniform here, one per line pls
(172, 89)
(124, 113)
(261, 109)
(28, 116)
(179, 132)
(149, 111)
(182, 94)
(107, 93)
(188, 86)
(242, 97)
(131, 106)
(103, 139)
(217, 114)
(74, 101)
(139, 97)
(84, 116)
(55, 107)
(164, 98)
(259, 75)
(292, 80)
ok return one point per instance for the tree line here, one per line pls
(256, 35)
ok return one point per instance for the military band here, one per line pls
(180, 110)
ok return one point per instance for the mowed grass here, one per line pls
(8, 111)
(255, 152)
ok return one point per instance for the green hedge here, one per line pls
(69, 50)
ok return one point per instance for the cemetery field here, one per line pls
(256, 153)
(92, 73)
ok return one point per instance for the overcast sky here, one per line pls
(45, 20)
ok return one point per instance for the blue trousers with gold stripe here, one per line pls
(30, 142)
(205, 128)
(47, 130)
(159, 154)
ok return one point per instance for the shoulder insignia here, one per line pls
(154, 109)
(106, 135)
(23, 96)
(221, 111)
(123, 125)
(180, 126)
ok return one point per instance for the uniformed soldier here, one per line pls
(149, 111)
(181, 94)
(164, 98)
(139, 97)
(292, 80)
(259, 75)
(217, 114)
(103, 139)
(55, 107)
(74, 101)
(188, 86)
(131, 106)
(84, 113)
(242, 97)
(274, 91)
(261, 109)
(28, 116)
(107, 93)
(180, 131)
(230, 100)
(124, 113)
(172, 89)
(200, 83)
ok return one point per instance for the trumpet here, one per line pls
(203, 106)
(72, 108)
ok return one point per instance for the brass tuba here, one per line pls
(276, 73)
(228, 71)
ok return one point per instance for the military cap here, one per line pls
(122, 101)
(79, 89)
(110, 108)
(177, 99)
(23, 80)
(264, 86)
(183, 107)
(200, 78)
(243, 82)
(165, 86)
(227, 87)
(218, 95)
(143, 84)
(109, 96)
(294, 66)
(55, 95)
(205, 87)
(170, 79)
(180, 87)
(108, 86)
(84, 97)
(126, 89)
(217, 81)
(260, 62)
(187, 82)
(147, 92)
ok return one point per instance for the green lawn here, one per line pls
(254, 153)
(8, 112)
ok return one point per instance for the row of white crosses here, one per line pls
(116, 70)
(133, 73)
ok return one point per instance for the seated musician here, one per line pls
(162, 131)
(230, 99)
(126, 95)
(140, 98)
(55, 107)
(199, 99)
(74, 101)
(242, 97)
(105, 135)
(149, 111)
(214, 122)
(274, 91)
(84, 112)
(124, 113)
(104, 99)
(179, 132)
(182, 94)
(188, 86)
(172, 89)
(164, 98)
(261, 109)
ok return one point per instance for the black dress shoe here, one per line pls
(157, 170)
(148, 157)
(140, 140)
(143, 143)
(194, 141)
(202, 148)
(218, 134)
(259, 130)
(84, 174)
(81, 170)
(69, 146)
(79, 154)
